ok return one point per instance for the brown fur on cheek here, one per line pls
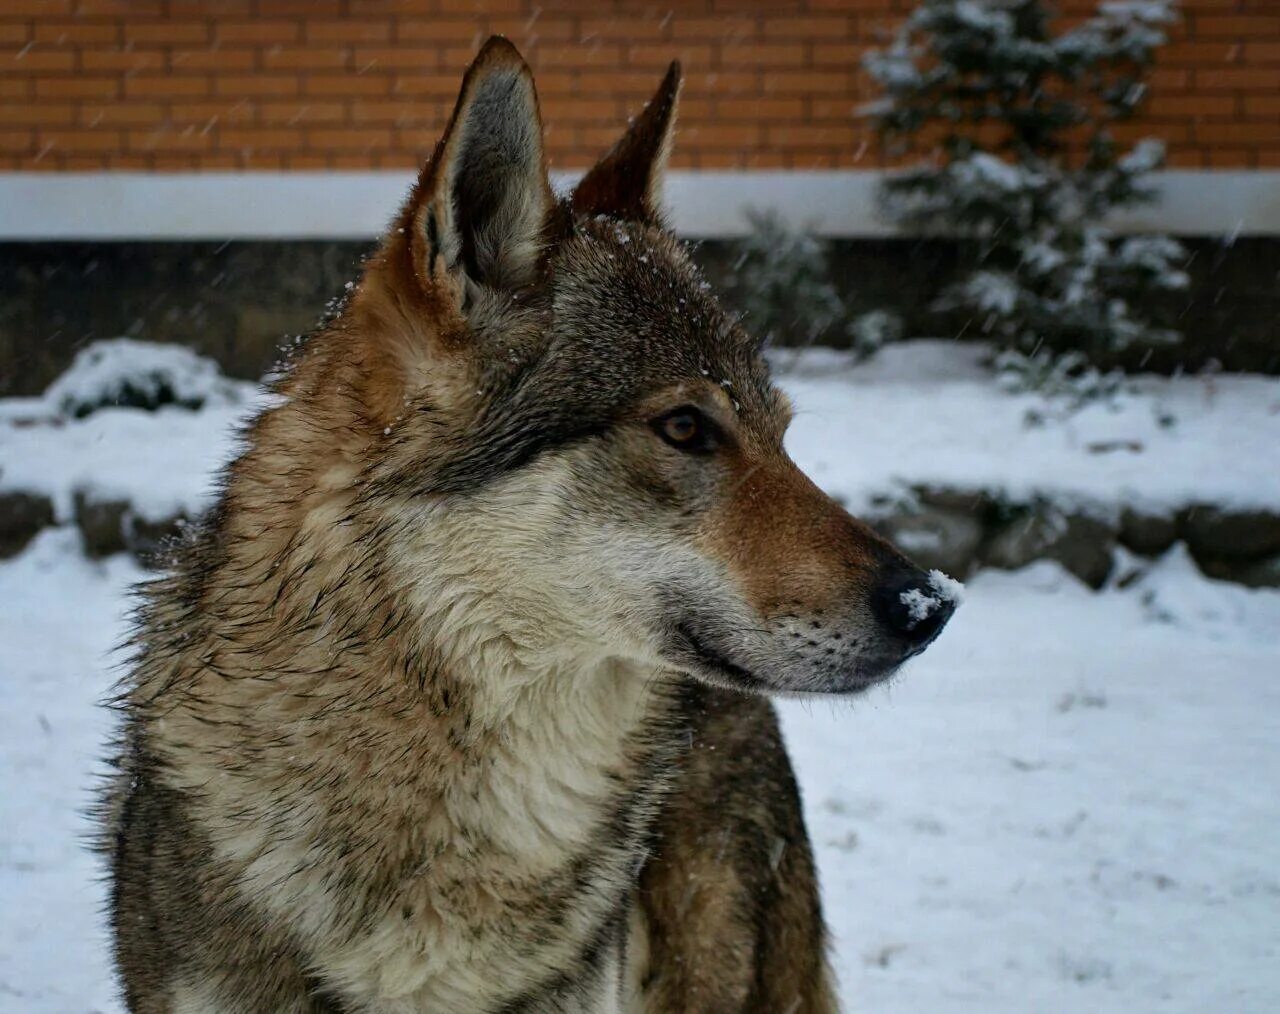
(784, 540)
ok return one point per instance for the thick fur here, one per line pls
(450, 705)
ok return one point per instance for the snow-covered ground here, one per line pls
(1070, 803)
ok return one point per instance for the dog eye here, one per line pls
(686, 429)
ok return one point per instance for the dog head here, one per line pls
(575, 438)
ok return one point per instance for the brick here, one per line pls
(42, 114)
(251, 158)
(1229, 157)
(77, 87)
(278, 58)
(1261, 105)
(165, 139)
(153, 32)
(798, 136)
(1262, 52)
(691, 110)
(1245, 78)
(1222, 105)
(815, 28)
(167, 85)
(717, 83)
(722, 135)
(305, 111)
(426, 85)
(777, 54)
(63, 33)
(481, 6)
(727, 31)
(398, 160)
(122, 114)
(625, 30)
(397, 57)
(307, 160)
(418, 138)
(258, 84)
(805, 82)
(593, 55)
(17, 140)
(36, 8)
(529, 32)
(1236, 27)
(1253, 132)
(759, 109)
(842, 107)
(588, 111)
(78, 140)
(206, 115)
(119, 8)
(294, 8)
(840, 54)
(217, 59)
(1191, 54)
(632, 86)
(437, 29)
(236, 9)
(726, 158)
(1169, 79)
(358, 83)
(348, 32)
(257, 31)
(266, 138)
(36, 60)
(165, 162)
(349, 139)
(84, 163)
(659, 55)
(131, 61)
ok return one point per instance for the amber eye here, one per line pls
(685, 428)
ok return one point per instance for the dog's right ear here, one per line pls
(478, 213)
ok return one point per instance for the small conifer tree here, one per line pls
(1026, 165)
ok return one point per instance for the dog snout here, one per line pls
(911, 607)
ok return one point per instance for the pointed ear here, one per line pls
(483, 200)
(627, 182)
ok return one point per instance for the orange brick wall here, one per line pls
(355, 84)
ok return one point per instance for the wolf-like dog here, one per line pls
(457, 702)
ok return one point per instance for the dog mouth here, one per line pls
(696, 649)
(700, 658)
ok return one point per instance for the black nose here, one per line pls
(914, 606)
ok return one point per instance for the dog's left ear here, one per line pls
(484, 199)
(627, 182)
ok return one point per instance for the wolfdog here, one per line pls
(458, 699)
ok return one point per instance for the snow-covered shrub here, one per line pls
(782, 282)
(1067, 376)
(1027, 166)
(139, 374)
(874, 329)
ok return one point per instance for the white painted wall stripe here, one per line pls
(357, 205)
